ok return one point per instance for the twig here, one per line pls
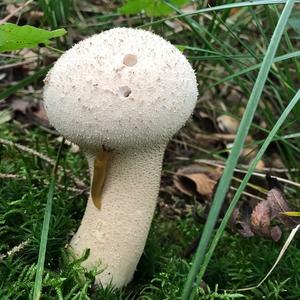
(15, 12)
(9, 176)
(28, 150)
(220, 165)
(47, 159)
(18, 64)
(71, 189)
(14, 250)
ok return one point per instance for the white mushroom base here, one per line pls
(116, 234)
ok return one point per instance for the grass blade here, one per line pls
(236, 149)
(45, 229)
(294, 54)
(245, 181)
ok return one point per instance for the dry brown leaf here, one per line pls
(34, 112)
(228, 124)
(184, 188)
(245, 230)
(197, 179)
(240, 220)
(267, 210)
(276, 233)
(33, 15)
(261, 218)
(260, 165)
(31, 57)
(249, 152)
(38, 112)
(11, 8)
(204, 185)
(19, 105)
(278, 204)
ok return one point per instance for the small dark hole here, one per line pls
(130, 60)
(124, 91)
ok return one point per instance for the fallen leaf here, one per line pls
(249, 152)
(39, 114)
(261, 218)
(278, 205)
(204, 185)
(19, 105)
(33, 16)
(11, 8)
(240, 220)
(260, 165)
(245, 230)
(184, 188)
(228, 124)
(31, 57)
(276, 233)
(277, 202)
(34, 112)
(197, 179)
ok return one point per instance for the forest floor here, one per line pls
(226, 48)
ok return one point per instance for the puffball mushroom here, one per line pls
(120, 95)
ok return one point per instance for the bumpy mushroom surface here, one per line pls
(120, 95)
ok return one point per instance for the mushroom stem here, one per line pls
(116, 234)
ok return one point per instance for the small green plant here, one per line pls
(14, 37)
(152, 8)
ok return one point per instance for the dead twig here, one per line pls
(28, 150)
(221, 165)
(8, 176)
(18, 64)
(14, 250)
(4, 20)
(47, 159)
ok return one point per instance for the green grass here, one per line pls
(238, 262)
(227, 52)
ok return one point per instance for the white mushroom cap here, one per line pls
(121, 88)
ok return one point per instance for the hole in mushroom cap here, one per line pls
(124, 91)
(130, 60)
